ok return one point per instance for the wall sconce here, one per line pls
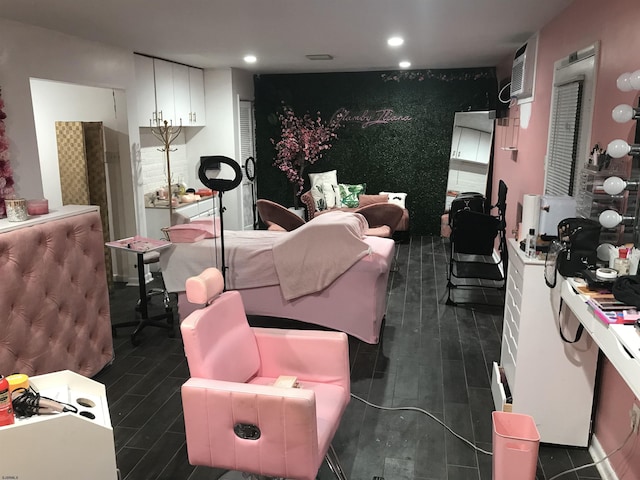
(611, 219)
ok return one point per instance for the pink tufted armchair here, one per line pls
(235, 417)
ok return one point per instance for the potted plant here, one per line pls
(303, 141)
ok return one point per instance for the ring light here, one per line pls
(250, 168)
(220, 184)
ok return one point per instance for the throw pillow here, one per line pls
(330, 195)
(318, 180)
(349, 194)
(371, 199)
(397, 198)
(317, 192)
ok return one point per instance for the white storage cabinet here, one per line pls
(168, 91)
(549, 379)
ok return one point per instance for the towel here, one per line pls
(310, 258)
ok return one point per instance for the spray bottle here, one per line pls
(6, 408)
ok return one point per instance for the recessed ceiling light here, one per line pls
(404, 64)
(395, 41)
(250, 59)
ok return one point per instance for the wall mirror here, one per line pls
(470, 153)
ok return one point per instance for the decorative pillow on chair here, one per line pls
(349, 194)
(365, 200)
(320, 192)
(397, 198)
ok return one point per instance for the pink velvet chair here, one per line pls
(235, 418)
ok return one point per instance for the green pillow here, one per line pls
(349, 194)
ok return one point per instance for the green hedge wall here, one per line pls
(409, 156)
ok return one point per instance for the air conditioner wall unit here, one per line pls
(524, 69)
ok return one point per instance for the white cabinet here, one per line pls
(145, 91)
(471, 145)
(165, 107)
(549, 379)
(181, 95)
(196, 95)
(168, 91)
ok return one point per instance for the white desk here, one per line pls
(619, 343)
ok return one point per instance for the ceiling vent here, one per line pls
(320, 56)
(523, 70)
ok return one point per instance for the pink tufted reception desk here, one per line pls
(54, 300)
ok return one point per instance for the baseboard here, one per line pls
(597, 454)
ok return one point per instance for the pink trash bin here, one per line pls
(515, 446)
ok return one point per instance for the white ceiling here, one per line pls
(218, 33)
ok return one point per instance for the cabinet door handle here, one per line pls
(190, 117)
(194, 117)
(160, 116)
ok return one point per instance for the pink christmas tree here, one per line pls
(6, 175)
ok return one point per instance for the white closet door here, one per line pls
(247, 149)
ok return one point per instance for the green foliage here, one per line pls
(409, 156)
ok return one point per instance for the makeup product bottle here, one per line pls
(621, 264)
(530, 247)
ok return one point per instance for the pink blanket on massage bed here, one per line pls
(324, 273)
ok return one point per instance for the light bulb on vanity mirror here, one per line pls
(619, 148)
(629, 81)
(616, 185)
(623, 113)
(611, 219)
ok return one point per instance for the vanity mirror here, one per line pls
(470, 153)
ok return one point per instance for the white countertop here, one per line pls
(619, 343)
(54, 214)
(515, 247)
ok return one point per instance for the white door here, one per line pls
(247, 150)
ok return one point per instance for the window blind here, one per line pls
(563, 138)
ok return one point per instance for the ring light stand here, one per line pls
(210, 164)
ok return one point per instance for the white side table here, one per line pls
(62, 445)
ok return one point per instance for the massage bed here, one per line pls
(326, 273)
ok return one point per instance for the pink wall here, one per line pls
(615, 24)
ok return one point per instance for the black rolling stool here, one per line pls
(162, 320)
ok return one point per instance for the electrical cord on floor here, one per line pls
(593, 464)
(430, 415)
(416, 409)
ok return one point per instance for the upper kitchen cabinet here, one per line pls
(188, 90)
(145, 91)
(196, 90)
(169, 91)
(165, 103)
